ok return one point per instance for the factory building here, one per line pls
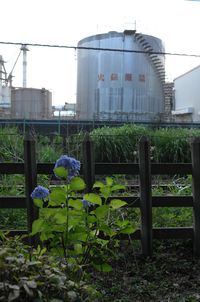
(22, 103)
(121, 76)
(187, 96)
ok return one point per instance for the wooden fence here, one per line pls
(144, 168)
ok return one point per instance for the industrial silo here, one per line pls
(5, 91)
(121, 76)
(31, 103)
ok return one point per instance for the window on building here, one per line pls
(141, 77)
(100, 77)
(128, 76)
(114, 77)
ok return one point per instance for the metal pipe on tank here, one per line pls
(24, 49)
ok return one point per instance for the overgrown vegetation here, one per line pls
(35, 275)
(121, 144)
(32, 275)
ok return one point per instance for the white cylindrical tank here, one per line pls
(1, 76)
(5, 97)
(31, 103)
(5, 91)
(123, 84)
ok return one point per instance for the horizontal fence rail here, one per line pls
(145, 201)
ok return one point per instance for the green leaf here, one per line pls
(78, 248)
(102, 242)
(109, 181)
(94, 198)
(101, 211)
(98, 184)
(117, 187)
(46, 236)
(106, 192)
(104, 267)
(91, 218)
(57, 197)
(75, 203)
(117, 203)
(77, 184)
(78, 236)
(47, 212)
(61, 172)
(107, 230)
(38, 203)
(61, 216)
(37, 226)
(122, 223)
(128, 230)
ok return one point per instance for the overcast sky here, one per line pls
(65, 22)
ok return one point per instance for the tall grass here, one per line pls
(121, 144)
(117, 144)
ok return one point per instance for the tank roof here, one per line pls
(112, 34)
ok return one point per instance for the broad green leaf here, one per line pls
(102, 242)
(109, 181)
(128, 230)
(107, 230)
(122, 223)
(74, 221)
(37, 226)
(101, 211)
(106, 192)
(104, 267)
(38, 203)
(98, 184)
(75, 203)
(61, 172)
(77, 184)
(57, 197)
(117, 187)
(47, 212)
(94, 198)
(46, 236)
(117, 203)
(78, 236)
(61, 216)
(91, 218)
(78, 248)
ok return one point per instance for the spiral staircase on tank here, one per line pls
(159, 68)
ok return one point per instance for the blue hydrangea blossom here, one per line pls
(69, 163)
(40, 192)
(86, 204)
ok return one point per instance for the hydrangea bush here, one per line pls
(81, 227)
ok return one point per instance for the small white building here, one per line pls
(187, 96)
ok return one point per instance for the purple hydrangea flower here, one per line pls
(86, 204)
(69, 163)
(40, 192)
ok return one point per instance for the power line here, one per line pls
(101, 49)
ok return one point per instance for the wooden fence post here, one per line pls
(145, 196)
(195, 152)
(88, 163)
(30, 167)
